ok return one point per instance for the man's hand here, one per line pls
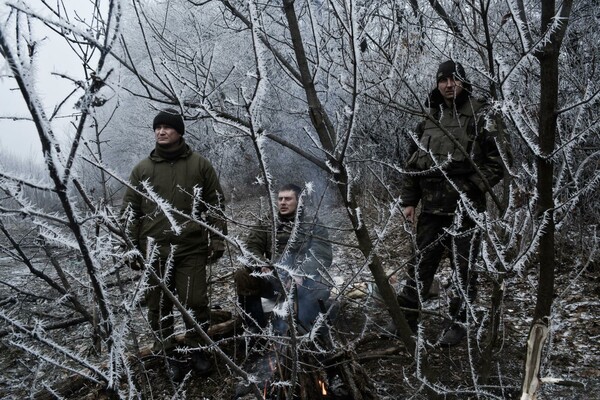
(409, 214)
(132, 259)
(299, 280)
(216, 250)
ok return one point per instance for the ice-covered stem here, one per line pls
(62, 290)
(495, 317)
(99, 156)
(319, 117)
(281, 58)
(37, 333)
(448, 20)
(203, 335)
(258, 140)
(322, 125)
(518, 14)
(549, 89)
(355, 92)
(52, 162)
(253, 105)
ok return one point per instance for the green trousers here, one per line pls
(432, 241)
(187, 280)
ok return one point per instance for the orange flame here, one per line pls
(323, 388)
(271, 366)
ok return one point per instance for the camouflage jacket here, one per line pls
(450, 142)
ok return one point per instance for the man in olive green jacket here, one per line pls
(170, 188)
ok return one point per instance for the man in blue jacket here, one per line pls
(302, 247)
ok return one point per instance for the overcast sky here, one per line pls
(52, 55)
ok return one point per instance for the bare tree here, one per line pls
(323, 91)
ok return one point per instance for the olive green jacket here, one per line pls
(186, 182)
(308, 251)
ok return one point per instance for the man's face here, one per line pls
(450, 88)
(166, 136)
(287, 202)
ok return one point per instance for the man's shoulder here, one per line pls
(143, 163)
(475, 107)
(195, 157)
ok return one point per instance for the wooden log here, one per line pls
(219, 316)
(217, 331)
(535, 344)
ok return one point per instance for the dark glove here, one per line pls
(135, 264)
(216, 250)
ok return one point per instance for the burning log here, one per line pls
(350, 381)
(297, 368)
(337, 377)
(273, 377)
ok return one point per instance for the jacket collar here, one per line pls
(464, 105)
(159, 154)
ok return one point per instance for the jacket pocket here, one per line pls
(439, 196)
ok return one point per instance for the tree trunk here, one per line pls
(324, 129)
(548, 58)
(326, 132)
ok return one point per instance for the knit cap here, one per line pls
(170, 117)
(450, 69)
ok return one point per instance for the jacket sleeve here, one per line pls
(410, 190)
(490, 164)
(131, 209)
(319, 254)
(258, 242)
(212, 195)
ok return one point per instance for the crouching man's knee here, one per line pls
(246, 284)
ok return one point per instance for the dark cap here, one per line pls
(449, 69)
(170, 117)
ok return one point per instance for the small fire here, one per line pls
(271, 366)
(323, 388)
(272, 369)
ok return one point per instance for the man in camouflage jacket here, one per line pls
(456, 155)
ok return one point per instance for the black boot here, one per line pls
(453, 335)
(176, 370)
(201, 364)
